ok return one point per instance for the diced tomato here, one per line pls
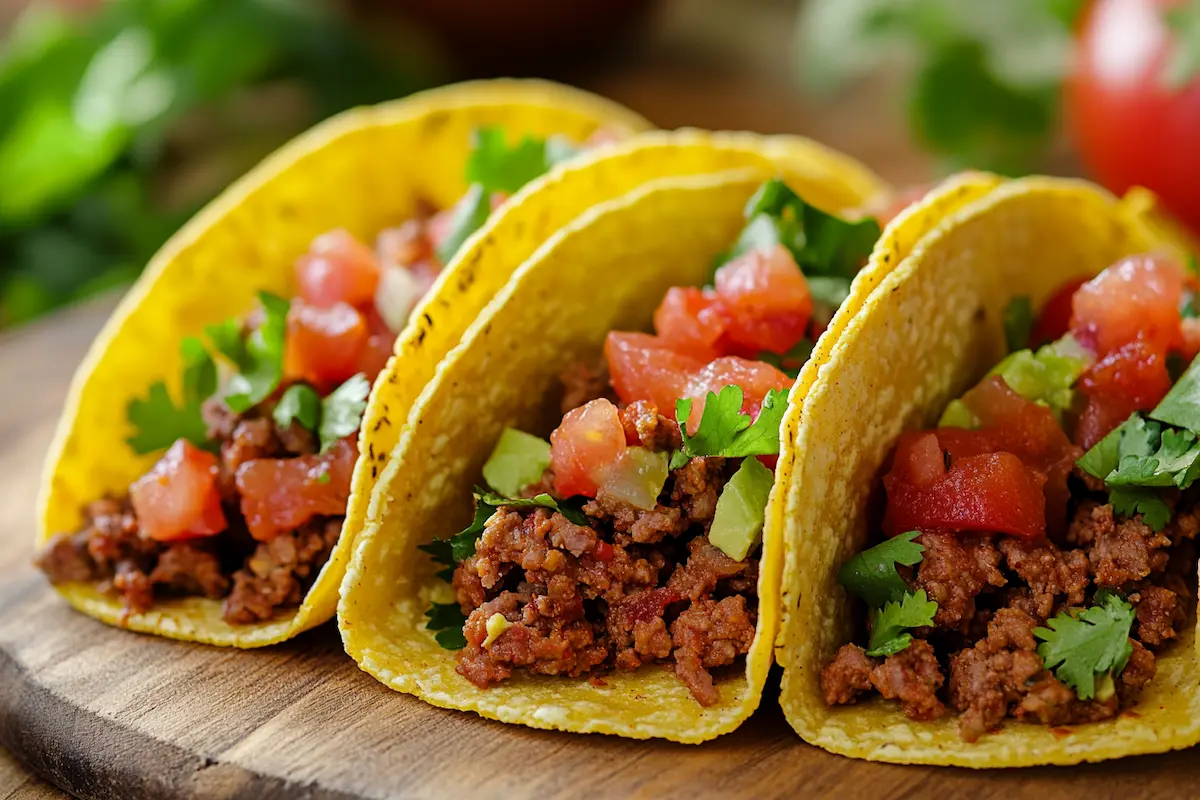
(1055, 318)
(378, 349)
(337, 269)
(1131, 378)
(919, 459)
(1030, 432)
(178, 498)
(1137, 298)
(281, 494)
(755, 378)
(324, 345)
(586, 442)
(768, 301)
(1190, 331)
(691, 321)
(993, 492)
(644, 367)
(604, 551)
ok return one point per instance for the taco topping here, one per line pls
(633, 535)
(1038, 547)
(247, 501)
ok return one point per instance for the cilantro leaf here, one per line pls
(158, 422)
(1170, 465)
(501, 168)
(227, 340)
(821, 244)
(725, 431)
(888, 624)
(1181, 406)
(460, 546)
(1105, 455)
(261, 364)
(571, 510)
(1183, 64)
(518, 460)
(470, 213)
(1018, 322)
(447, 620)
(1130, 500)
(872, 576)
(342, 410)
(1094, 642)
(300, 403)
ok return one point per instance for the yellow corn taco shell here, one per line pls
(362, 170)
(927, 332)
(607, 270)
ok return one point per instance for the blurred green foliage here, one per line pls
(88, 105)
(987, 74)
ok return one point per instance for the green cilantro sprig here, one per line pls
(258, 358)
(894, 609)
(1091, 643)
(890, 623)
(871, 575)
(447, 620)
(342, 410)
(822, 244)
(725, 431)
(450, 551)
(495, 166)
(158, 422)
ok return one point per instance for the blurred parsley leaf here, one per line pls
(342, 410)
(986, 76)
(1183, 64)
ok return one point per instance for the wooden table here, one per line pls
(106, 713)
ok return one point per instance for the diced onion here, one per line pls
(396, 296)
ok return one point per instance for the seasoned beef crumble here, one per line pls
(631, 587)
(993, 590)
(255, 579)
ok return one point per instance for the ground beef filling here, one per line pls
(980, 658)
(629, 588)
(256, 579)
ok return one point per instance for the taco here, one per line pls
(620, 479)
(991, 521)
(206, 460)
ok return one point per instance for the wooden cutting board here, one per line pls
(104, 713)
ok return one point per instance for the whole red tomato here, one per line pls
(1130, 125)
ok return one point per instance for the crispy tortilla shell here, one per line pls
(926, 333)
(607, 270)
(363, 170)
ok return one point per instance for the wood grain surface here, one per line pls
(104, 713)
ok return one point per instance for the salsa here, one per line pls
(1040, 542)
(633, 535)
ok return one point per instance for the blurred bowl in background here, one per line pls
(492, 37)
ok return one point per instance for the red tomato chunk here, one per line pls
(338, 269)
(588, 440)
(991, 492)
(178, 498)
(281, 494)
(324, 344)
(767, 298)
(1137, 298)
